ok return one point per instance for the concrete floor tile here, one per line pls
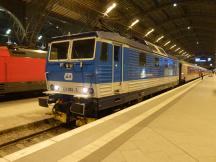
(145, 133)
(207, 159)
(128, 146)
(116, 156)
(135, 156)
(146, 146)
(182, 158)
(199, 150)
(3, 160)
(159, 156)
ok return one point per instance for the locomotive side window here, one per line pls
(83, 49)
(116, 53)
(104, 52)
(156, 60)
(59, 51)
(142, 59)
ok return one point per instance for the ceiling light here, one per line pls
(1, 9)
(188, 27)
(197, 42)
(181, 51)
(8, 31)
(109, 9)
(134, 23)
(149, 32)
(160, 38)
(172, 46)
(167, 43)
(175, 4)
(177, 49)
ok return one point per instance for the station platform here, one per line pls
(176, 126)
(21, 112)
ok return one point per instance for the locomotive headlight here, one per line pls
(56, 87)
(85, 90)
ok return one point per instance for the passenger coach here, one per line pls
(90, 72)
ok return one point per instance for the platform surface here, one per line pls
(21, 112)
(185, 132)
(177, 126)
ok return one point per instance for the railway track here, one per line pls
(19, 138)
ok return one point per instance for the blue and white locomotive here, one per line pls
(90, 72)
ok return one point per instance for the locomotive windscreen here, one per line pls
(83, 49)
(59, 51)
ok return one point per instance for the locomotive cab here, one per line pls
(70, 67)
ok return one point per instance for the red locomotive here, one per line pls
(21, 70)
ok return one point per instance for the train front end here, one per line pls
(70, 75)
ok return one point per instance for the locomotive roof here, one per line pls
(109, 36)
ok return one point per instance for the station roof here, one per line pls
(189, 25)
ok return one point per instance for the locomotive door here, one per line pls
(117, 68)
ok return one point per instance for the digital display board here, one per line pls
(203, 59)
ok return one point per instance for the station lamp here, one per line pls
(109, 9)
(134, 23)
(8, 31)
(161, 37)
(173, 46)
(188, 27)
(168, 42)
(40, 37)
(175, 4)
(149, 32)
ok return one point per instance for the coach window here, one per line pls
(142, 59)
(59, 51)
(104, 52)
(157, 64)
(166, 63)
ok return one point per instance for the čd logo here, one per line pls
(68, 76)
